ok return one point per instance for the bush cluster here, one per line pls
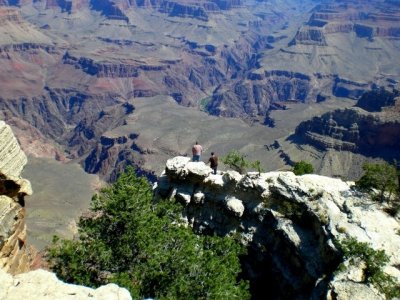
(238, 162)
(302, 167)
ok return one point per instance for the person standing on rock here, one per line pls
(197, 149)
(213, 162)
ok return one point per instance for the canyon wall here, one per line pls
(370, 128)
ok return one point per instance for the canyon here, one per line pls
(112, 83)
(290, 225)
(74, 70)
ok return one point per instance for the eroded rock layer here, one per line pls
(15, 256)
(371, 127)
(66, 64)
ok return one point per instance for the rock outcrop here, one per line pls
(371, 127)
(265, 90)
(41, 284)
(290, 225)
(15, 256)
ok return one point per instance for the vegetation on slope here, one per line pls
(381, 180)
(129, 240)
(238, 162)
(375, 261)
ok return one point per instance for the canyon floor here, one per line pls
(61, 192)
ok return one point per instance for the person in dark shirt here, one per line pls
(213, 162)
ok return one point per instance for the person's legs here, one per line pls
(215, 170)
(196, 157)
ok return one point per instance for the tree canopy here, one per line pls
(129, 240)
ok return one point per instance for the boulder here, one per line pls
(235, 206)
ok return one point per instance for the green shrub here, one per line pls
(380, 176)
(302, 167)
(128, 240)
(257, 166)
(375, 261)
(238, 162)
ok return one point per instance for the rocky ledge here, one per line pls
(290, 225)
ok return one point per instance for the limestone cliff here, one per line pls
(14, 254)
(289, 223)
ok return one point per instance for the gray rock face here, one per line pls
(289, 224)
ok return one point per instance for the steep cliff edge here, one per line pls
(290, 224)
(15, 256)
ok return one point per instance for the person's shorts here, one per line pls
(196, 157)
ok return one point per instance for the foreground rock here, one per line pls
(290, 224)
(41, 284)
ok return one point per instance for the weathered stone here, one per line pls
(41, 284)
(235, 206)
(347, 290)
(12, 158)
(197, 170)
(231, 177)
(183, 197)
(198, 197)
(15, 257)
(176, 165)
(292, 222)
